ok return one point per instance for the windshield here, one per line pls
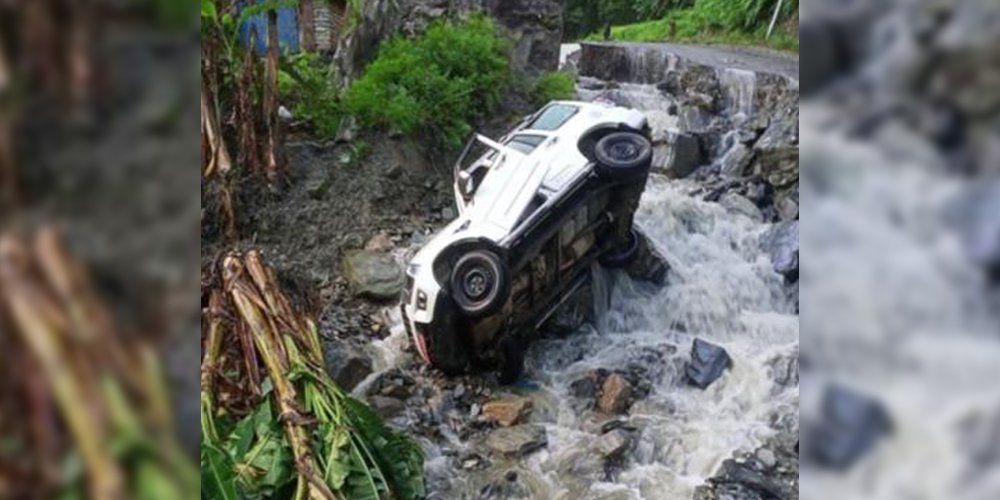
(553, 117)
(525, 143)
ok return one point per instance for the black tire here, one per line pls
(622, 154)
(480, 283)
(619, 258)
(446, 344)
(510, 359)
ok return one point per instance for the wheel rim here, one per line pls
(623, 151)
(476, 283)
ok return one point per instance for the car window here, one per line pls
(525, 143)
(553, 117)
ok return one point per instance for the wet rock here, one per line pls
(507, 412)
(735, 160)
(685, 155)
(613, 444)
(386, 407)
(708, 362)
(346, 364)
(979, 227)
(735, 203)
(693, 118)
(778, 166)
(782, 244)
(784, 369)
(586, 387)
(616, 395)
(588, 83)
(517, 441)
(513, 484)
(393, 384)
(766, 458)
(849, 427)
(373, 275)
(787, 205)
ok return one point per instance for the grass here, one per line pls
(684, 27)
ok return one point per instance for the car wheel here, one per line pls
(623, 257)
(479, 283)
(623, 154)
(445, 347)
(510, 352)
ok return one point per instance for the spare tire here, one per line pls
(624, 256)
(623, 154)
(480, 283)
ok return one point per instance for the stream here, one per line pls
(722, 287)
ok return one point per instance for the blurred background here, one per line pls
(900, 158)
(99, 210)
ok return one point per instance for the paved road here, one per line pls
(739, 57)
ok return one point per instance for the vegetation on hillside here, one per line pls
(438, 83)
(554, 86)
(705, 21)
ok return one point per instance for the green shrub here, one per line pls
(306, 85)
(553, 86)
(439, 83)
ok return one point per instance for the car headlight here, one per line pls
(421, 300)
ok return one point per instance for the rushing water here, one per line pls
(722, 288)
(897, 309)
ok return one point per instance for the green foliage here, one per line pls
(703, 21)
(553, 86)
(736, 22)
(307, 86)
(439, 83)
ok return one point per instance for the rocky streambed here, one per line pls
(606, 409)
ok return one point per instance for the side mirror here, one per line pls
(463, 182)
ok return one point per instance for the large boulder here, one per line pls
(373, 275)
(708, 362)
(346, 364)
(782, 244)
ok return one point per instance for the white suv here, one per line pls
(536, 209)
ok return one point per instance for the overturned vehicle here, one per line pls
(536, 209)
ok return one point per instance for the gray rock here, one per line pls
(708, 362)
(685, 155)
(373, 275)
(787, 206)
(347, 365)
(979, 226)
(448, 213)
(782, 244)
(613, 444)
(386, 407)
(517, 441)
(766, 457)
(784, 369)
(735, 161)
(735, 203)
(588, 83)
